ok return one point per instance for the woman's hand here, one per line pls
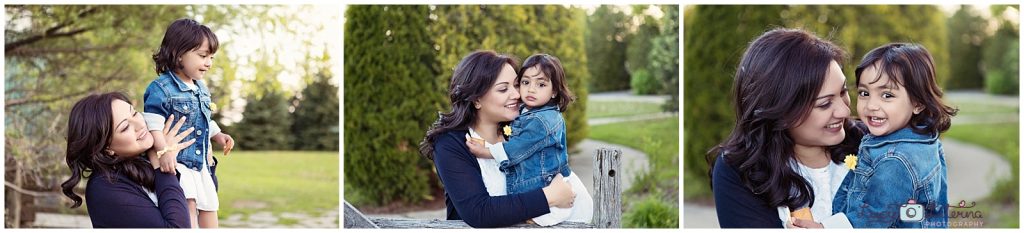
(559, 193)
(168, 156)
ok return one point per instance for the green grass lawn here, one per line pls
(1003, 139)
(968, 107)
(659, 139)
(278, 182)
(602, 109)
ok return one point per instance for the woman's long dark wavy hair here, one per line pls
(911, 66)
(89, 133)
(472, 78)
(776, 83)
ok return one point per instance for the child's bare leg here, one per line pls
(192, 214)
(208, 219)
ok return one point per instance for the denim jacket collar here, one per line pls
(906, 134)
(181, 84)
(542, 108)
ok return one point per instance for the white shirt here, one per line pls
(824, 182)
(494, 179)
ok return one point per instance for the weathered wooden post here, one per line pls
(607, 188)
(356, 219)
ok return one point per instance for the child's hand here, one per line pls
(476, 146)
(225, 141)
(805, 223)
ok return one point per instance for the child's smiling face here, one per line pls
(882, 104)
(535, 87)
(196, 62)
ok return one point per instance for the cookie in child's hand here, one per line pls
(475, 140)
(803, 213)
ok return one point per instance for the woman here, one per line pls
(791, 135)
(482, 95)
(106, 137)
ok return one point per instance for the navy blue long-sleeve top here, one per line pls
(125, 204)
(465, 194)
(737, 206)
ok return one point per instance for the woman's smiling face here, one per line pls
(501, 103)
(823, 125)
(129, 136)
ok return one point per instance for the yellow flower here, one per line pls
(851, 161)
(508, 130)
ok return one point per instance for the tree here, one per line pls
(606, 49)
(390, 72)
(638, 51)
(315, 122)
(1001, 56)
(664, 56)
(966, 34)
(264, 125)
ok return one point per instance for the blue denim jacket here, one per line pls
(169, 95)
(891, 170)
(536, 151)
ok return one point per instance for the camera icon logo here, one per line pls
(911, 212)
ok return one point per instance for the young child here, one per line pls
(535, 152)
(899, 179)
(185, 54)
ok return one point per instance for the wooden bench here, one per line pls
(607, 203)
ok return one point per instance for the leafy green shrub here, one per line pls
(651, 213)
(643, 83)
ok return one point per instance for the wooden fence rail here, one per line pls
(607, 203)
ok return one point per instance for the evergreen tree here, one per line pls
(315, 122)
(606, 49)
(265, 123)
(391, 96)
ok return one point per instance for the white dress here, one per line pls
(494, 181)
